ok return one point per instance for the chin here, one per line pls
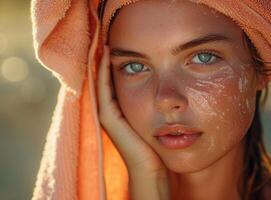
(192, 162)
(186, 162)
(185, 166)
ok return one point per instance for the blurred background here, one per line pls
(28, 95)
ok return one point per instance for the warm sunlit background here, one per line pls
(27, 98)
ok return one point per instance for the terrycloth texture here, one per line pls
(253, 16)
(79, 159)
(66, 36)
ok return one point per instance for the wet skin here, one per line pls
(208, 83)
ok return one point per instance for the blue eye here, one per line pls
(204, 58)
(133, 68)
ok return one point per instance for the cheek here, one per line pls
(224, 105)
(135, 105)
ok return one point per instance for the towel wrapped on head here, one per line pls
(79, 159)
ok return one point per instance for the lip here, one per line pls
(188, 137)
(166, 130)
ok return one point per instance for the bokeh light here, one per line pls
(14, 69)
(28, 95)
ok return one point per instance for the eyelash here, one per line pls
(211, 53)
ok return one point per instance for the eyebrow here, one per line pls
(193, 43)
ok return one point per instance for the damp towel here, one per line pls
(79, 160)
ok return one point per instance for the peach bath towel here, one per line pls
(79, 161)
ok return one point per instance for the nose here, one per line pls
(170, 98)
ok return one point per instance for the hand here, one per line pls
(139, 157)
(138, 154)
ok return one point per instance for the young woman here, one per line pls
(179, 93)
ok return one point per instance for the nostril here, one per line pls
(171, 105)
(176, 107)
(179, 108)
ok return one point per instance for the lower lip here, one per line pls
(178, 142)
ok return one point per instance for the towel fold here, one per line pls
(79, 161)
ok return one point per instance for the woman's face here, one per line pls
(186, 64)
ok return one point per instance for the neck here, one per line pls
(218, 181)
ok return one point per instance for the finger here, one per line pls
(104, 83)
(130, 144)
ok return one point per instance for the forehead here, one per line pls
(152, 20)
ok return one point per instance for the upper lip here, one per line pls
(168, 129)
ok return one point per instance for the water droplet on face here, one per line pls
(240, 85)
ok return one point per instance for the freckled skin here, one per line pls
(209, 98)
